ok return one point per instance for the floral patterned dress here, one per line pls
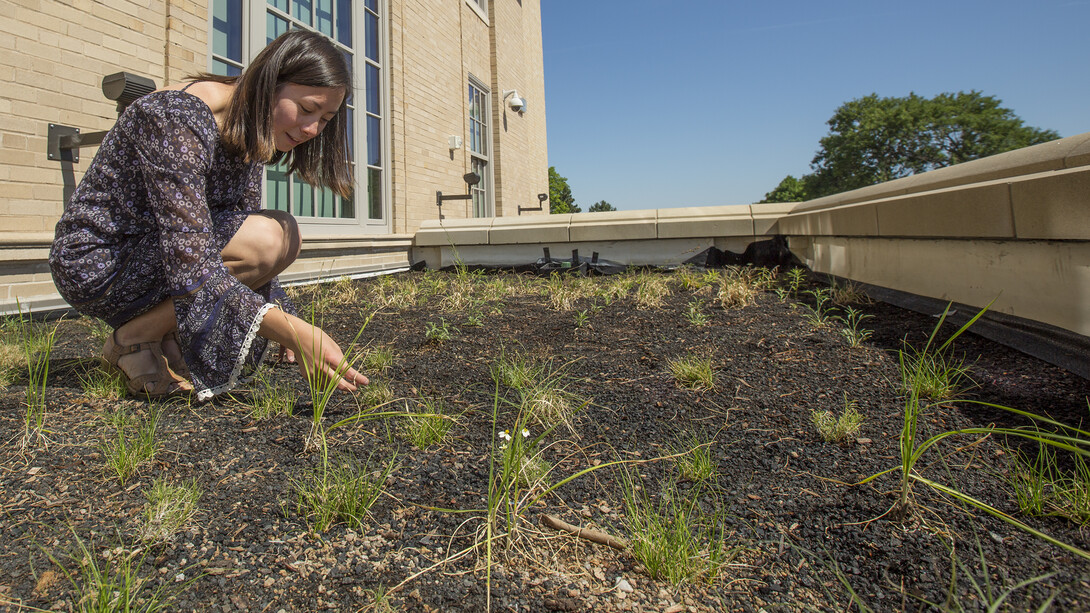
(148, 221)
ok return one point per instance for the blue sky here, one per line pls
(709, 102)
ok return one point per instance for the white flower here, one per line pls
(505, 435)
(525, 433)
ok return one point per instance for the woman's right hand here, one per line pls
(314, 350)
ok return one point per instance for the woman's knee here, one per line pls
(290, 242)
(266, 244)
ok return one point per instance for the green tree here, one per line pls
(873, 139)
(560, 198)
(789, 190)
(601, 206)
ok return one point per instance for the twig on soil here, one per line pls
(589, 534)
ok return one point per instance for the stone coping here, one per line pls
(1061, 154)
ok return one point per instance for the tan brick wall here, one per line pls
(53, 55)
(521, 156)
(435, 47)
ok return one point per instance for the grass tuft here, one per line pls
(428, 426)
(341, 490)
(131, 445)
(693, 372)
(169, 509)
(838, 428)
(674, 539)
(697, 463)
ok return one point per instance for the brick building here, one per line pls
(435, 80)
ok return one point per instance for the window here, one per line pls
(479, 147)
(240, 30)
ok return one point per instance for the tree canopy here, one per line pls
(873, 139)
(789, 190)
(601, 206)
(560, 197)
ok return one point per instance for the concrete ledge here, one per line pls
(1046, 281)
(977, 211)
(850, 220)
(530, 229)
(613, 226)
(435, 233)
(736, 220)
(1054, 206)
(766, 215)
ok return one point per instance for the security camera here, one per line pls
(517, 103)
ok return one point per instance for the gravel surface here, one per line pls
(798, 530)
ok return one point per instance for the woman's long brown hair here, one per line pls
(303, 58)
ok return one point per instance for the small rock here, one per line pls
(623, 586)
(678, 608)
(863, 441)
(179, 577)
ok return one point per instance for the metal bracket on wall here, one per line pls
(63, 142)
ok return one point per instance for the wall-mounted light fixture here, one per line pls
(471, 179)
(455, 142)
(541, 200)
(516, 102)
(63, 142)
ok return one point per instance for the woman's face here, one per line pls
(300, 112)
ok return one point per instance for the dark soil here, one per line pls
(781, 493)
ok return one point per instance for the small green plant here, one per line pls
(581, 318)
(271, 397)
(838, 428)
(377, 359)
(515, 370)
(1041, 487)
(102, 384)
(695, 315)
(937, 375)
(674, 539)
(818, 315)
(169, 509)
(693, 458)
(782, 294)
(131, 444)
(795, 278)
(549, 403)
(438, 332)
(322, 386)
(375, 395)
(38, 348)
(693, 372)
(522, 461)
(428, 426)
(854, 334)
(113, 584)
(474, 319)
(342, 489)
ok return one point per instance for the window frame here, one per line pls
(485, 187)
(254, 40)
(481, 8)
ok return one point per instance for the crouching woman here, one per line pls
(165, 238)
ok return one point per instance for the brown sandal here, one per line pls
(178, 366)
(162, 382)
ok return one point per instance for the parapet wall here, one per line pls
(1013, 228)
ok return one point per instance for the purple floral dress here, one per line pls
(148, 221)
